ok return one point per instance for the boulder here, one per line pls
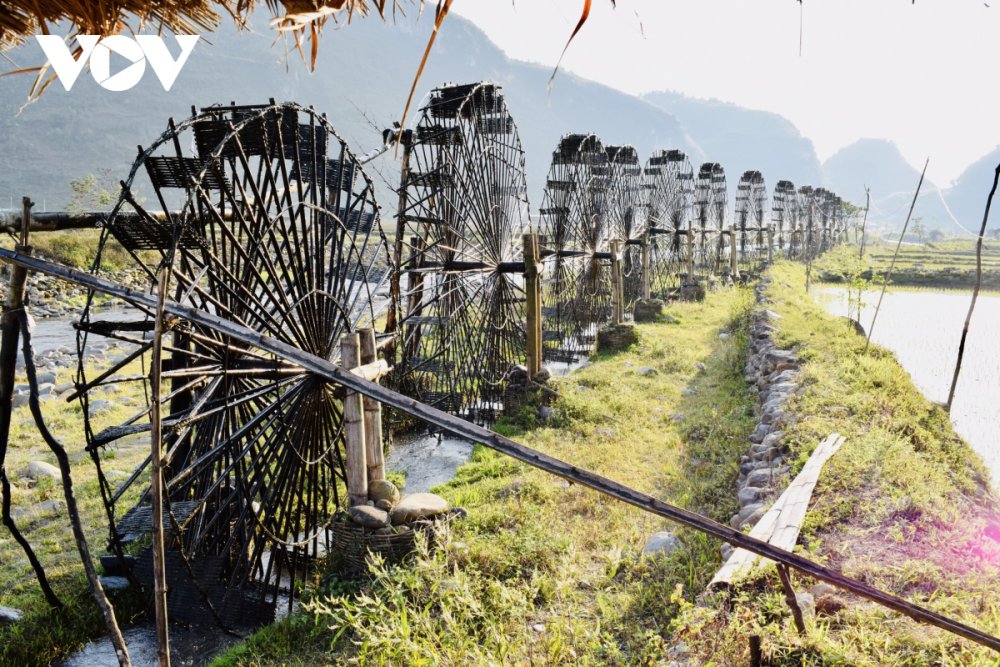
(46, 378)
(383, 489)
(112, 584)
(543, 375)
(647, 310)
(693, 291)
(9, 615)
(663, 542)
(369, 517)
(384, 505)
(616, 337)
(761, 477)
(646, 370)
(40, 469)
(418, 506)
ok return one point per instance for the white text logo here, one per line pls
(138, 51)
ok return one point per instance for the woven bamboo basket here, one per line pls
(352, 542)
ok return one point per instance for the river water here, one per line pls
(923, 329)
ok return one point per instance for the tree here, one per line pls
(93, 192)
(936, 235)
(919, 230)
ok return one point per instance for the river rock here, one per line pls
(647, 310)
(113, 584)
(663, 542)
(369, 517)
(54, 506)
(761, 477)
(46, 378)
(743, 516)
(543, 374)
(646, 370)
(384, 505)
(39, 469)
(418, 506)
(616, 337)
(18, 400)
(100, 406)
(383, 489)
(9, 615)
(749, 495)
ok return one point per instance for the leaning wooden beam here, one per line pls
(781, 523)
(458, 427)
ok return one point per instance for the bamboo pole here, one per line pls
(690, 255)
(373, 415)
(10, 332)
(892, 264)
(617, 295)
(864, 223)
(645, 267)
(156, 481)
(329, 371)
(354, 426)
(533, 304)
(975, 290)
(734, 270)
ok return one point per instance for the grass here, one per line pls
(77, 248)
(45, 635)
(542, 571)
(948, 264)
(904, 506)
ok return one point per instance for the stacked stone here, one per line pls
(774, 372)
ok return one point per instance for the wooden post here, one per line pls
(793, 603)
(397, 251)
(617, 296)
(770, 245)
(734, 269)
(533, 305)
(156, 481)
(373, 415)
(10, 332)
(645, 267)
(690, 257)
(354, 426)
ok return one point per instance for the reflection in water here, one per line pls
(923, 329)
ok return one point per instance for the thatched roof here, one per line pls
(20, 19)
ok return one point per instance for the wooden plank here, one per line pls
(786, 513)
(475, 433)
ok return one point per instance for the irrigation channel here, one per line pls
(265, 359)
(922, 327)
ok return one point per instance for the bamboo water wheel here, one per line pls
(577, 285)
(463, 211)
(784, 214)
(270, 223)
(751, 200)
(627, 218)
(668, 180)
(710, 247)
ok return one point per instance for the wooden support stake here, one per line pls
(793, 603)
(734, 269)
(354, 426)
(533, 305)
(9, 332)
(156, 483)
(756, 655)
(690, 255)
(617, 293)
(770, 245)
(373, 415)
(645, 267)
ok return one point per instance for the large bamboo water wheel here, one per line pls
(669, 183)
(627, 218)
(750, 229)
(270, 223)
(577, 286)
(784, 214)
(463, 211)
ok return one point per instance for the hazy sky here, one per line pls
(869, 68)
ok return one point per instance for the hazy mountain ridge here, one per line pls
(742, 139)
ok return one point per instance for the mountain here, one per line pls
(363, 75)
(742, 139)
(967, 196)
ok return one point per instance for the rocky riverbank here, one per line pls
(774, 372)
